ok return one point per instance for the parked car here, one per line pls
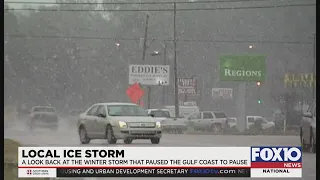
(265, 124)
(215, 121)
(308, 129)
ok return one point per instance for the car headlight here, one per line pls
(122, 124)
(158, 124)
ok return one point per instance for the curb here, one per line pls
(242, 134)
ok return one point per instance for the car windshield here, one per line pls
(43, 109)
(160, 113)
(126, 110)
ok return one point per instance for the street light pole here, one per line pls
(145, 39)
(164, 63)
(176, 100)
(314, 67)
(144, 56)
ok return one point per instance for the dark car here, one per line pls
(44, 117)
(308, 129)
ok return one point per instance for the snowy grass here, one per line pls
(11, 161)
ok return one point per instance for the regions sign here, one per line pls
(187, 86)
(224, 93)
(244, 68)
(149, 74)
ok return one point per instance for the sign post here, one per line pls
(242, 69)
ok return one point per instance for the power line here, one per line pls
(171, 40)
(187, 9)
(134, 3)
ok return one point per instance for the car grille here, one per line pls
(142, 125)
(143, 133)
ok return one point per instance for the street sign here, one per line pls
(243, 68)
(187, 86)
(149, 74)
(224, 93)
(135, 93)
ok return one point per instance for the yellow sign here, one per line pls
(300, 80)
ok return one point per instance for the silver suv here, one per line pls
(43, 116)
(308, 129)
(113, 121)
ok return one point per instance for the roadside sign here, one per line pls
(243, 68)
(299, 80)
(135, 93)
(149, 74)
(190, 103)
(187, 103)
(224, 93)
(187, 86)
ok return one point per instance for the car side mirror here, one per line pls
(307, 114)
(151, 115)
(102, 115)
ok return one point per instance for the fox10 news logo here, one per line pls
(276, 157)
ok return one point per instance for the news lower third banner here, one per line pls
(42, 162)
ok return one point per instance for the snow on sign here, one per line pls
(149, 74)
(224, 93)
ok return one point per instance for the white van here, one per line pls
(184, 111)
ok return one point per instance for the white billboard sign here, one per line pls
(187, 86)
(149, 74)
(224, 93)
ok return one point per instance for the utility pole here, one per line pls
(176, 100)
(145, 39)
(164, 63)
(144, 56)
(314, 66)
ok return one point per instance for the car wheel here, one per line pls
(313, 146)
(83, 136)
(155, 140)
(127, 141)
(110, 136)
(304, 146)
(215, 128)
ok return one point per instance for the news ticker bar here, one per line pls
(153, 172)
